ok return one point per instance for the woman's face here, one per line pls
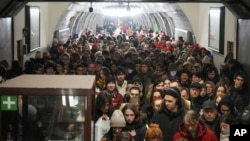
(102, 75)
(184, 94)
(105, 107)
(160, 86)
(221, 91)
(167, 84)
(111, 86)
(157, 95)
(170, 103)
(129, 116)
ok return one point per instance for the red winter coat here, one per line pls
(204, 133)
(116, 99)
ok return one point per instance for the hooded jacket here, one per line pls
(227, 100)
(204, 133)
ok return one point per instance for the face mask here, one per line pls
(173, 73)
(130, 70)
(226, 132)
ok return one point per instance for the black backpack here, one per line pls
(244, 115)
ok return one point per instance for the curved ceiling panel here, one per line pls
(161, 16)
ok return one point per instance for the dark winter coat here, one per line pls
(168, 121)
(140, 129)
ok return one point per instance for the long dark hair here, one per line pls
(134, 109)
(102, 98)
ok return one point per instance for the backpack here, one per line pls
(244, 115)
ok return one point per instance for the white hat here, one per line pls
(117, 119)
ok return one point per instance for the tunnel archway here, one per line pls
(165, 17)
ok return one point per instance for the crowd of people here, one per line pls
(151, 88)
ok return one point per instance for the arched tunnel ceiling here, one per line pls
(167, 16)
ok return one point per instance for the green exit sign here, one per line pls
(9, 103)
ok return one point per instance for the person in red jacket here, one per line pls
(193, 129)
(113, 91)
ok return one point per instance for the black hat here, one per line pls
(120, 70)
(209, 104)
(196, 85)
(110, 79)
(172, 67)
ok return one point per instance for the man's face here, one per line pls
(184, 77)
(194, 92)
(238, 82)
(65, 59)
(209, 88)
(134, 93)
(137, 67)
(144, 68)
(196, 79)
(210, 114)
(120, 77)
(225, 109)
(191, 126)
(211, 75)
(184, 94)
(91, 68)
(117, 129)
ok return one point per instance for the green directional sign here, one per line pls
(9, 103)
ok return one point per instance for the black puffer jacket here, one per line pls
(168, 121)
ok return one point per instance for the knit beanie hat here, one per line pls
(153, 132)
(117, 119)
(120, 70)
(110, 79)
(172, 67)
